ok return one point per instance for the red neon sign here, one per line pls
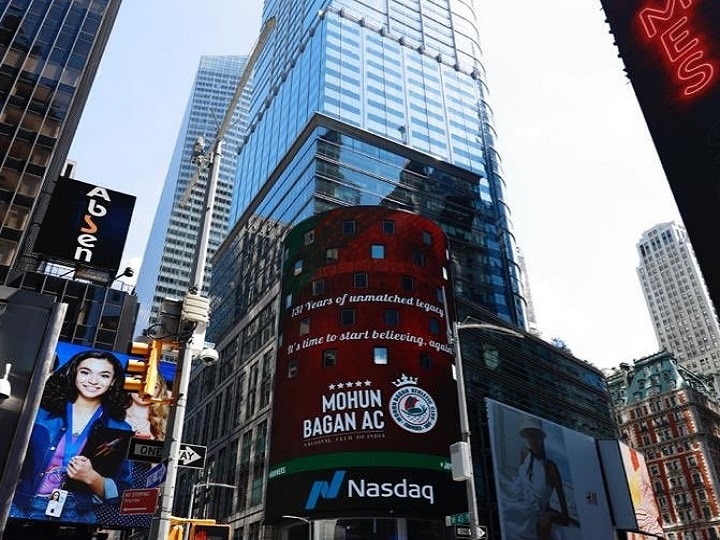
(682, 46)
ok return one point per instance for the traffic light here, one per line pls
(209, 532)
(144, 374)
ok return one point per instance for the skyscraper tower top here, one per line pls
(683, 317)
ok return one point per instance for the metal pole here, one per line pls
(465, 434)
(463, 412)
(160, 528)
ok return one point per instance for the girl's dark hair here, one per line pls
(60, 387)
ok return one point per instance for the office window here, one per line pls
(288, 301)
(298, 267)
(331, 255)
(408, 283)
(318, 286)
(309, 237)
(434, 326)
(360, 280)
(377, 251)
(329, 357)
(418, 258)
(305, 326)
(292, 369)
(425, 360)
(427, 238)
(388, 226)
(347, 317)
(348, 226)
(392, 317)
(380, 355)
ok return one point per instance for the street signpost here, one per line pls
(139, 501)
(156, 475)
(145, 450)
(192, 456)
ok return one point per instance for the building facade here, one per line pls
(673, 417)
(682, 313)
(375, 104)
(49, 53)
(170, 252)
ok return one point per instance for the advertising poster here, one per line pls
(548, 479)
(630, 489)
(366, 404)
(76, 467)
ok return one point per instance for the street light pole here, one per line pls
(463, 413)
(304, 520)
(161, 526)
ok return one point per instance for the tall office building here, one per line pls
(49, 53)
(683, 317)
(354, 103)
(170, 251)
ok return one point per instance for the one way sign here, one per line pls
(192, 456)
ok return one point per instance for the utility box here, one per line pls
(460, 461)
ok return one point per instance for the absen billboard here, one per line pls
(548, 478)
(85, 225)
(671, 51)
(365, 401)
(76, 468)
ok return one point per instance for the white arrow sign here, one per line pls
(192, 455)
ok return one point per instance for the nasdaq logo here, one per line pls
(325, 490)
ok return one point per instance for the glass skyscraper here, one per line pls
(374, 102)
(49, 54)
(169, 255)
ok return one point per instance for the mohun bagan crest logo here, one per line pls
(412, 408)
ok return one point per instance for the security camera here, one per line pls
(209, 356)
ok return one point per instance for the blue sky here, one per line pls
(583, 177)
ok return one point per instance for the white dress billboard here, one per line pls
(547, 477)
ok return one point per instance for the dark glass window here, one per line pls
(425, 360)
(434, 326)
(292, 369)
(347, 316)
(392, 317)
(427, 238)
(297, 269)
(309, 237)
(329, 357)
(388, 226)
(360, 280)
(408, 283)
(348, 226)
(418, 258)
(318, 286)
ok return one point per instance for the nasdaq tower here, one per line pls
(372, 103)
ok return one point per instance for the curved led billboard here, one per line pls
(365, 401)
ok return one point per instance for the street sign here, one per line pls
(145, 450)
(139, 501)
(462, 518)
(192, 456)
(156, 475)
(463, 531)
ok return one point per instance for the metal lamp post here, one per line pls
(304, 520)
(161, 526)
(463, 412)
